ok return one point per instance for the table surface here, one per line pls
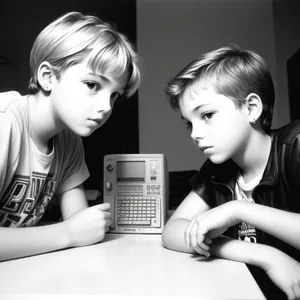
(125, 266)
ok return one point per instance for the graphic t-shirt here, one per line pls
(28, 178)
(243, 190)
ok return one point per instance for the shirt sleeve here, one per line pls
(197, 184)
(73, 166)
(10, 141)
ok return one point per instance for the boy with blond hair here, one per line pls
(80, 66)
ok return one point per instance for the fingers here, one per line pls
(108, 222)
(105, 223)
(102, 214)
(192, 238)
(200, 233)
(203, 249)
(201, 240)
(207, 240)
(295, 293)
(107, 215)
(104, 206)
(187, 235)
(198, 242)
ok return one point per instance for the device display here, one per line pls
(131, 170)
(136, 186)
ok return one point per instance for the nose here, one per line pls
(104, 104)
(196, 133)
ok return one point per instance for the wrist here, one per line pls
(264, 256)
(237, 210)
(67, 233)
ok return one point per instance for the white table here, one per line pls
(125, 267)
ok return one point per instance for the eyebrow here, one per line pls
(98, 75)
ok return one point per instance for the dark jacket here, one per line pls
(278, 188)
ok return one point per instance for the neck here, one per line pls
(43, 125)
(253, 160)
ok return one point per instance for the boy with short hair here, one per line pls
(248, 188)
(80, 66)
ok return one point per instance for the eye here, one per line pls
(115, 96)
(207, 116)
(93, 85)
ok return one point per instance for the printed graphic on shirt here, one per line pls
(247, 233)
(24, 203)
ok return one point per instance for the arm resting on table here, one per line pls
(21, 242)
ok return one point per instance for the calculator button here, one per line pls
(144, 222)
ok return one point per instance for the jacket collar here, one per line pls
(227, 171)
(270, 175)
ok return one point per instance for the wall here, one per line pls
(287, 42)
(171, 33)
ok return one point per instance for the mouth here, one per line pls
(204, 148)
(96, 120)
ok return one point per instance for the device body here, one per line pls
(136, 186)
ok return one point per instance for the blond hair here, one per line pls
(74, 37)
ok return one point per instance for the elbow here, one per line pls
(164, 236)
(169, 236)
(173, 236)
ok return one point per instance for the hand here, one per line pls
(210, 224)
(89, 225)
(284, 271)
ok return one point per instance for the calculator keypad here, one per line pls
(137, 210)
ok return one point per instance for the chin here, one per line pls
(84, 133)
(217, 159)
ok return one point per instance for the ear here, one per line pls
(255, 107)
(45, 76)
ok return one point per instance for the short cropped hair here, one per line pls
(74, 37)
(232, 72)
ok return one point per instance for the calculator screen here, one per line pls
(131, 171)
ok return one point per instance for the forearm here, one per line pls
(278, 223)
(250, 253)
(72, 201)
(21, 242)
(173, 235)
(223, 247)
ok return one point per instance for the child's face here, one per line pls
(82, 100)
(218, 127)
